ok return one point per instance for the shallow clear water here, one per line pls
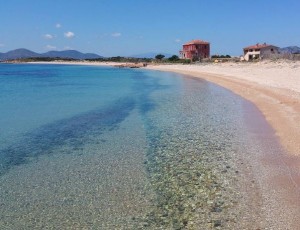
(99, 147)
(35, 95)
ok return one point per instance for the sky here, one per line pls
(130, 27)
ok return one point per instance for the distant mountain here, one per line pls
(290, 50)
(18, 53)
(24, 53)
(150, 55)
(70, 54)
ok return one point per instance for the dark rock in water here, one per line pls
(217, 223)
(216, 209)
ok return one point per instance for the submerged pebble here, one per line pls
(163, 158)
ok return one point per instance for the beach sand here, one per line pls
(274, 88)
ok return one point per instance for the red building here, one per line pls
(195, 49)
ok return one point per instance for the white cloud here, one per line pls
(177, 40)
(58, 25)
(50, 47)
(116, 34)
(1, 45)
(69, 34)
(48, 36)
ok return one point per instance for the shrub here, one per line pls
(159, 56)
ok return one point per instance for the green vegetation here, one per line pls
(221, 56)
(122, 59)
(42, 59)
(173, 58)
(196, 59)
(182, 61)
(159, 56)
(110, 59)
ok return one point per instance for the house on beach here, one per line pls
(260, 51)
(195, 50)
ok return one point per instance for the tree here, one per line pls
(159, 56)
(221, 56)
(174, 58)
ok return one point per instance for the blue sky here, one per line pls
(126, 27)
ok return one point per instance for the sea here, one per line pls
(96, 147)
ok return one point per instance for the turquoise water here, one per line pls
(87, 147)
(32, 95)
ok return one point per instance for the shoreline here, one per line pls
(276, 172)
(265, 84)
(274, 89)
(278, 101)
(269, 179)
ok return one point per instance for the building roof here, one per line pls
(258, 46)
(196, 42)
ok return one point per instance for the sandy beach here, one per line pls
(274, 88)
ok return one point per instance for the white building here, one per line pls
(260, 51)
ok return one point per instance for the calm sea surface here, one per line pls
(85, 147)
